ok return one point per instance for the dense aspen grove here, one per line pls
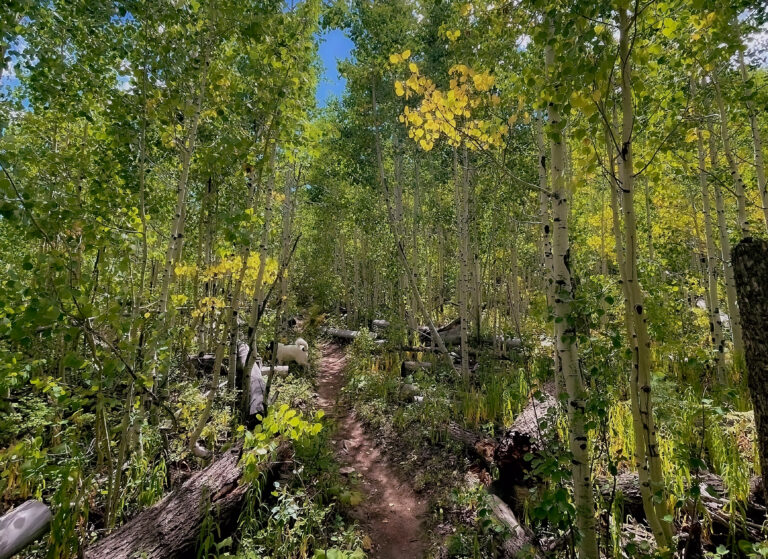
(505, 296)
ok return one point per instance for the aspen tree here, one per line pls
(186, 151)
(725, 248)
(733, 165)
(646, 446)
(257, 300)
(713, 307)
(461, 180)
(382, 176)
(757, 141)
(545, 237)
(566, 340)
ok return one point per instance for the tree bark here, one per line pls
(725, 247)
(757, 140)
(566, 340)
(22, 526)
(733, 165)
(713, 306)
(171, 528)
(750, 263)
(647, 452)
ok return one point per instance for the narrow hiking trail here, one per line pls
(391, 512)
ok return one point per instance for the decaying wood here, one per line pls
(380, 324)
(625, 490)
(170, 529)
(750, 266)
(410, 366)
(528, 434)
(345, 334)
(22, 526)
(482, 447)
(520, 542)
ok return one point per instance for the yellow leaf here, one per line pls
(395, 58)
(406, 54)
(413, 68)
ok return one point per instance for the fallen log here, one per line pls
(279, 369)
(170, 529)
(624, 489)
(380, 324)
(407, 367)
(481, 447)
(21, 526)
(525, 436)
(521, 541)
(532, 430)
(342, 334)
(472, 352)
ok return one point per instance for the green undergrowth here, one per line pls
(45, 454)
(700, 430)
(301, 515)
(413, 433)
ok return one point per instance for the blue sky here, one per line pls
(334, 46)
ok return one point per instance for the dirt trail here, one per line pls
(391, 512)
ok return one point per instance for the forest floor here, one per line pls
(391, 512)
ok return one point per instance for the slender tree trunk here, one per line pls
(436, 338)
(545, 239)
(566, 340)
(757, 140)
(725, 247)
(733, 165)
(647, 451)
(259, 288)
(463, 276)
(397, 187)
(473, 251)
(286, 228)
(713, 306)
(514, 283)
(187, 150)
(648, 220)
(415, 257)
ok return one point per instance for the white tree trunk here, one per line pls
(566, 340)
(725, 248)
(733, 165)
(646, 446)
(713, 306)
(757, 141)
(187, 150)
